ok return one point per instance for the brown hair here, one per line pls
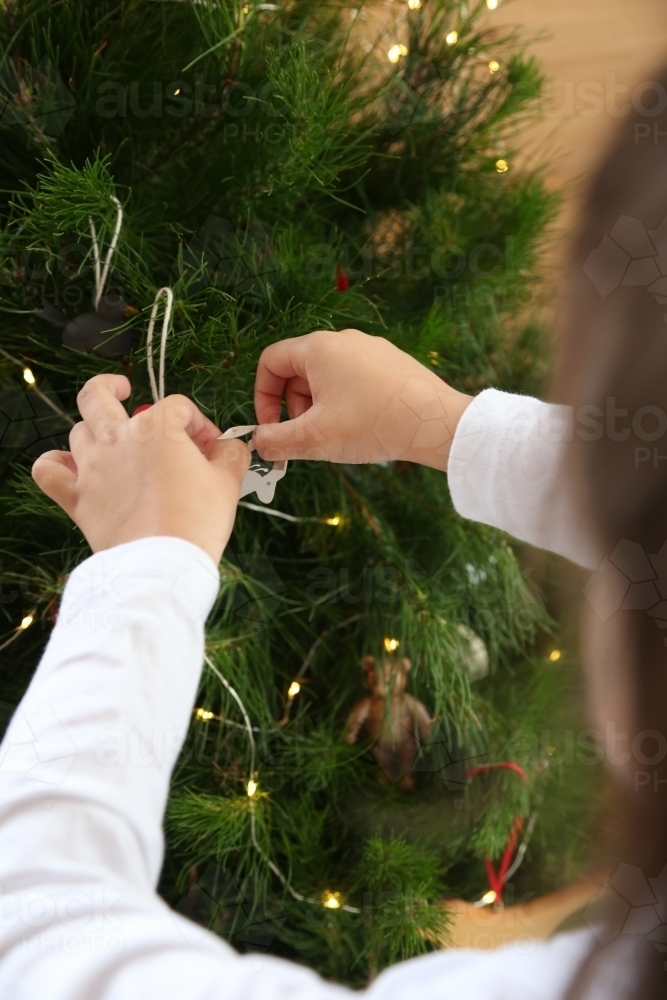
(614, 358)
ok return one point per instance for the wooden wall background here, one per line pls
(587, 48)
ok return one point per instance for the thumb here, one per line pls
(55, 474)
(297, 438)
(231, 458)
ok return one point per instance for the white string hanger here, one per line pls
(261, 477)
(102, 273)
(157, 388)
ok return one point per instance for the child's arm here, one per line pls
(84, 775)
(86, 762)
(355, 398)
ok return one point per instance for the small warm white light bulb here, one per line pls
(26, 622)
(414, 4)
(294, 689)
(452, 38)
(494, 66)
(331, 900)
(554, 655)
(251, 788)
(489, 897)
(391, 645)
(177, 92)
(492, 4)
(334, 521)
(502, 166)
(395, 52)
(28, 376)
(203, 714)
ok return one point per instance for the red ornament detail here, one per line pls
(140, 409)
(502, 765)
(342, 280)
(497, 878)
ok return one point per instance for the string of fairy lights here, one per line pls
(330, 899)
(22, 627)
(399, 51)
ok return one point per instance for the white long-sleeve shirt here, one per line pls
(87, 759)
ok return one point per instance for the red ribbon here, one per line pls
(497, 878)
(342, 280)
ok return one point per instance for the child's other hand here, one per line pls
(353, 398)
(162, 472)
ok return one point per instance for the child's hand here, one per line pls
(353, 398)
(161, 472)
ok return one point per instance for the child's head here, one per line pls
(614, 372)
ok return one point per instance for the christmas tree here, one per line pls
(284, 168)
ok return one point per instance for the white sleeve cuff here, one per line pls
(506, 469)
(105, 581)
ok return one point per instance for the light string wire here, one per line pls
(309, 659)
(102, 273)
(293, 518)
(289, 700)
(35, 388)
(300, 898)
(521, 853)
(19, 629)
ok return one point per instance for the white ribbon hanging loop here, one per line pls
(102, 273)
(262, 477)
(158, 389)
